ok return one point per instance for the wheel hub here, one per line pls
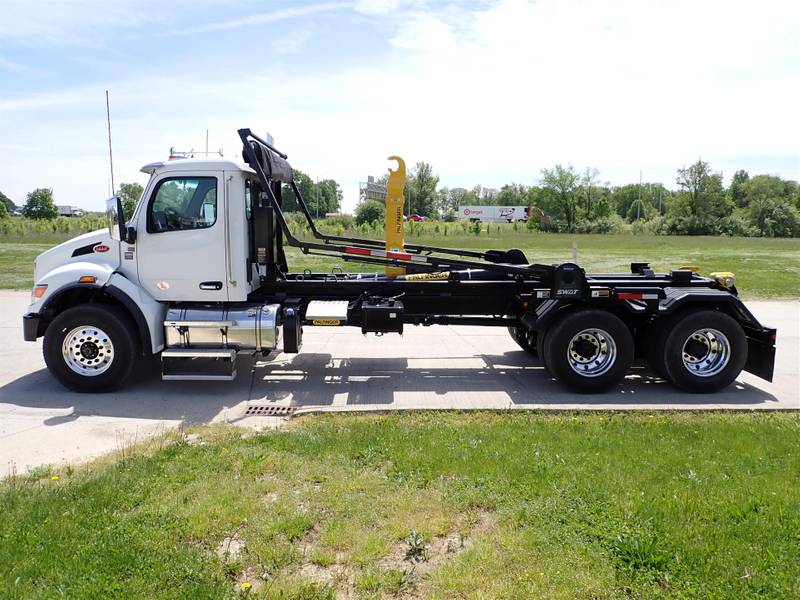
(591, 352)
(88, 351)
(706, 352)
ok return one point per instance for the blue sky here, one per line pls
(487, 91)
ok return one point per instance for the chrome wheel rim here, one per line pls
(88, 351)
(591, 352)
(706, 352)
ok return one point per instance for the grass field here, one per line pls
(764, 267)
(423, 506)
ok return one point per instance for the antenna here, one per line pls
(110, 156)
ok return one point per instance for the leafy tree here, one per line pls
(561, 193)
(3, 210)
(40, 204)
(775, 217)
(702, 192)
(306, 187)
(589, 190)
(370, 211)
(129, 193)
(327, 193)
(764, 187)
(7, 202)
(737, 189)
(512, 194)
(422, 189)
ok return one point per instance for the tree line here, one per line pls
(569, 200)
(565, 200)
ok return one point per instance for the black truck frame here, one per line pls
(587, 328)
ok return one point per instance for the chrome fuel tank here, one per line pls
(244, 327)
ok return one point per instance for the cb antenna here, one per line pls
(110, 156)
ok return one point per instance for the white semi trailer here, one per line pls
(493, 214)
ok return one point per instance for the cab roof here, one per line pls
(195, 164)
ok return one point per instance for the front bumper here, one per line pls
(30, 327)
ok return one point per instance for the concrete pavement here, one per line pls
(337, 370)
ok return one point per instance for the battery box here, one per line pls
(382, 315)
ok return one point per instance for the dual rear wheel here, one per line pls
(592, 350)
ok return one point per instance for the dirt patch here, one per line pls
(440, 549)
(437, 552)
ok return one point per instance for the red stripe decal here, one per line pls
(630, 296)
(398, 255)
(361, 251)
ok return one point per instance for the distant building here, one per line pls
(70, 211)
(371, 190)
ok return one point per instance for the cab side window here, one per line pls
(182, 203)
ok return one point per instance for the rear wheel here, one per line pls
(704, 351)
(524, 338)
(589, 351)
(91, 348)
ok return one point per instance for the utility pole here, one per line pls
(206, 143)
(317, 195)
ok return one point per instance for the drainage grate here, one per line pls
(268, 410)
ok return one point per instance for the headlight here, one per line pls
(37, 292)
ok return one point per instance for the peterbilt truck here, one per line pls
(198, 275)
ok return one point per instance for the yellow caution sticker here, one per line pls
(327, 322)
(428, 276)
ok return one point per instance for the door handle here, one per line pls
(211, 285)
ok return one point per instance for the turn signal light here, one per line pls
(87, 279)
(37, 292)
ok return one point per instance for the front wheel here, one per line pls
(91, 348)
(704, 351)
(589, 351)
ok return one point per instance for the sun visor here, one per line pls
(275, 167)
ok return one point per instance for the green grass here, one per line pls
(764, 267)
(513, 506)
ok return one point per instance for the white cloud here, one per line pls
(376, 7)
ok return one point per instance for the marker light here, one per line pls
(37, 292)
(87, 279)
(724, 278)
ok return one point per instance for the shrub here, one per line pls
(609, 224)
(370, 211)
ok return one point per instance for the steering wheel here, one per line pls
(173, 219)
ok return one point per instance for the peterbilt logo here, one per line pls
(101, 248)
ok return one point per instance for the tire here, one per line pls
(97, 332)
(524, 339)
(589, 351)
(704, 351)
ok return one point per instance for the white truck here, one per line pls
(493, 214)
(198, 275)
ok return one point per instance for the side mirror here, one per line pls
(115, 219)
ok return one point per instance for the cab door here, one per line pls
(181, 242)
